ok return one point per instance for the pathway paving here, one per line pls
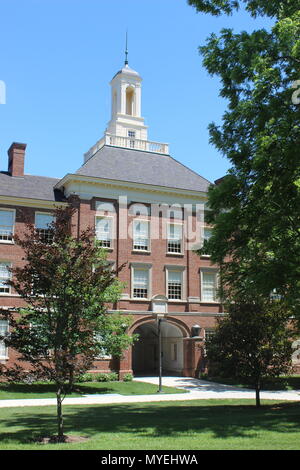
(196, 390)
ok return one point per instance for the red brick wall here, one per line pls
(123, 253)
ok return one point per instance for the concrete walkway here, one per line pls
(196, 390)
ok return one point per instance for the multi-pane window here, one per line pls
(140, 286)
(174, 284)
(4, 277)
(104, 231)
(103, 353)
(209, 333)
(141, 235)
(131, 135)
(206, 234)
(7, 220)
(209, 286)
(43, 227)
(174, 238)
(3, 332)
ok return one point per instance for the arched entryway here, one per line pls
(145, 351)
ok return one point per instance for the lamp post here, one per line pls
(159, 319)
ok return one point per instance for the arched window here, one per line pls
(129, 100)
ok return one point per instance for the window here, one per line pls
(209, 333)
(3, 332)
(206, 235)
(209, 286)
(104, 206)
(7, 220)
(103, 353)
(140, 283)
(141, 235)
(131, 135)
(104, 231)
(174, 238)
(4, 277)
(137, 209)
(43, 228)
(175, 285)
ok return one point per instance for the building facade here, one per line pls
(148, 212)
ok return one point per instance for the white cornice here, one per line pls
(28, 202)
(132, 186)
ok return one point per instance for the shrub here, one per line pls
(128, 377)
(107, 377)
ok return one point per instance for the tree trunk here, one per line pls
(257, 393)
(60, 420)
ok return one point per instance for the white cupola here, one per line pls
(126, 120)
(126, 127)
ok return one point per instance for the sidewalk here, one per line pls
(197, 390)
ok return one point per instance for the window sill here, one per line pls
(143, 252)
(173, 301)
(170, 253)
(7, 242)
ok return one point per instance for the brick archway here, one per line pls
(145, 351)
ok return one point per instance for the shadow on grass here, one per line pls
(28, 391)
(153, 420)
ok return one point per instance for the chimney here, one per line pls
(16, 157)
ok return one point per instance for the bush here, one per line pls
(86, 378)
(128, 377)
(107, 377)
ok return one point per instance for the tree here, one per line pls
(67, 286)
(252, 343)
(255, 208)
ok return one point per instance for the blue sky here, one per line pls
(58, 57)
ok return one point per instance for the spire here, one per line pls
(126, 49)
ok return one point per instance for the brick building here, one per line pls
(147, 209)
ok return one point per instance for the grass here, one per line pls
(195, 425)
(291, 382)
(43, 390)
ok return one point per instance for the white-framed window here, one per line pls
(209, 286)
(105, 206)
(4, 326)
(103, 353)
(139, 209)
(5, 276)
(43, 220)
(140, 283)
(174, 242)
(174, 284)
(206, 235)
(141, 240)
(7, 223)
(104, 231)
(209, 333)
(131, 135)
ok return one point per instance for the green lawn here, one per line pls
(42, 390)
(193, 425)
(291, 382)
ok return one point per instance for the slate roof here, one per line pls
(142, 167)
(29, 186)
